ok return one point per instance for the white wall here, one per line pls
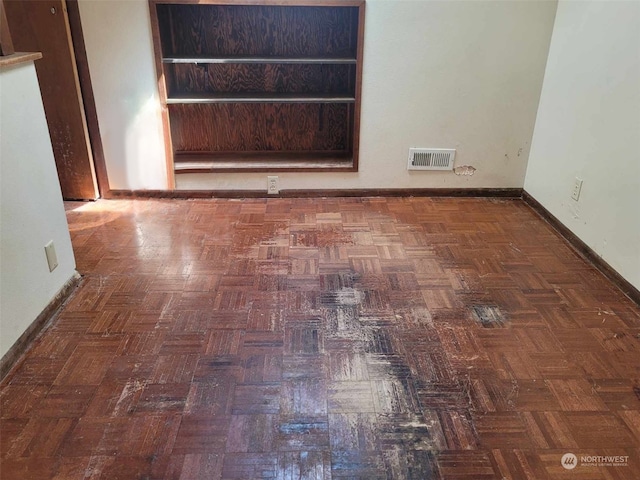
(458, 74)
(119, 46)
(31, 208)
(588, 126)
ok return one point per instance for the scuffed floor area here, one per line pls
(372, 338)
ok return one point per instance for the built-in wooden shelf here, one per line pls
(259, 85)
(258, 98)
(261, 60)
(19, 57)
(262, 161)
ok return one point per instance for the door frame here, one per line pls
(88, 100)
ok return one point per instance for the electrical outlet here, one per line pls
(272, 185)
(577, 186)
(52, 258)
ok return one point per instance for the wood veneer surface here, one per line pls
(219, 78)
(262, 127)
(286, 31)
(326, 338)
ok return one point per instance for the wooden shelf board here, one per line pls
(19, 57)
(259, 98)
(256, 162)
(281, 3)
(259, 60)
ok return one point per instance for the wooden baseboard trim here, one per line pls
(583, 249)
(39, 325)
(368, 192)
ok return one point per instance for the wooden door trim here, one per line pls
(162, 90)
(6, 44)
(80, 99)
(88, 100)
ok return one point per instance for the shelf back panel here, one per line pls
(262, 127)
(285, 31)
(218, 78)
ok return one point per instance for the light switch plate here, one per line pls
(52, 258)
(577, 187)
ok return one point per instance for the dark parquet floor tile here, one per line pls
(355, 338)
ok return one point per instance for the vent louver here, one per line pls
(431, 159)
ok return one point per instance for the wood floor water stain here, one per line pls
(360, 338)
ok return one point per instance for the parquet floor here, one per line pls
(372, 338)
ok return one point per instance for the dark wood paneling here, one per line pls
(212, 30)
(275, 30)
(44, 26)
(256, 78)
(583, 249)
(259, 127)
